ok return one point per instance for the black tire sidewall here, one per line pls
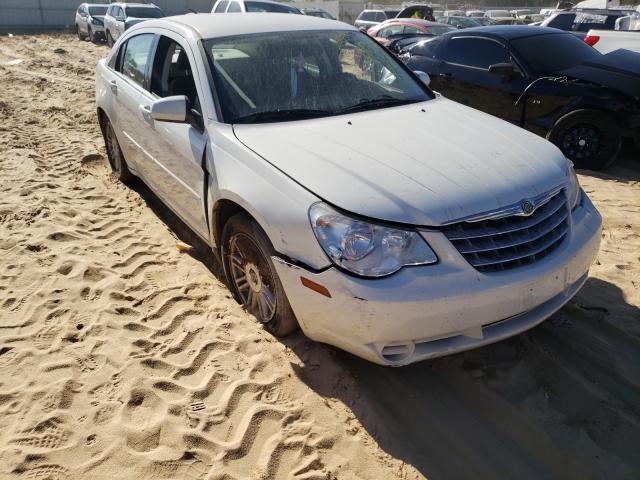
(283, 322)
(118, 165)
(602, 121)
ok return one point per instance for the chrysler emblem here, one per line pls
(527, 207)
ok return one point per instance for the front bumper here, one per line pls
(430, 311)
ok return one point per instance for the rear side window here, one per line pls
(475, 52)
(234, 7)
(221, 7)
(135, 56)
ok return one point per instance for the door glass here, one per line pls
(134, 59)
(221, 7)
(475, 52)
(391, 30)
(234, 7)
(172, 74)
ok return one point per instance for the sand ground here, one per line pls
(121, 357)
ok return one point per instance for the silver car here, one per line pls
(253, 6)
(122, 16)
(89, 21)
(341, 194)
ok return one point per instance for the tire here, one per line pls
(590, 139)
(116, 158)
(92, 36)
(110, 41)
(246, 257)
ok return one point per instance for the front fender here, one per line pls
(275, 201)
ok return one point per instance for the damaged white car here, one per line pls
(343, 195)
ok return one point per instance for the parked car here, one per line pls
(580, 22)
(369, 18)
(459, 22)
(475, 13)
(89, 21)
(398, 33)
(606, 41)
(581, 100)
(318, 12)
(533, 18)
(520, 12)
(122, 16)
(253, 6)
(363, 208)
(485, 21)
(454, 13)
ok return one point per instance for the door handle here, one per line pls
(146, 112)
(113, 86)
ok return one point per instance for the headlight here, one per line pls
(573, 189)
(367, 249)
(96, 21)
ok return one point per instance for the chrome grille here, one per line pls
(500, 244)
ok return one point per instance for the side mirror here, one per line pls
(176, 109)
(364, 29)
(502, 69)
(423, 76)
(120, 19)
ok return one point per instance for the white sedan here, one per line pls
(342, 194)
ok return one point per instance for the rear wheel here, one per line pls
(590, 139)
(246, 255)
(114, 153)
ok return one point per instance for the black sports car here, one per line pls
(543, 79)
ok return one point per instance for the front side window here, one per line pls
(475, 52)
(234, 7)
(172, 73)
(288, 75)
(135, 56)
(221, 7)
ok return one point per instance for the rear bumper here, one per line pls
(429, 311)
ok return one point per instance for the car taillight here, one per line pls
(591, 40)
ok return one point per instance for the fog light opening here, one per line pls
(397, 352)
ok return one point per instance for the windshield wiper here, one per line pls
(372, 103)
(276, 115)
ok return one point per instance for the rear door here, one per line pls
(129, 88)
(465, 76)
(176, 149)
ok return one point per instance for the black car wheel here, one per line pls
(92, 36)
(114, 153)
(110, 41)
(246, 255)
(590, 139)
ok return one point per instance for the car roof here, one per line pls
(507, 32)
(211, 25)
(127, 4)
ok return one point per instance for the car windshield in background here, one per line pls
(256, 7)
(391, 13)
(144, 12)
(294, 75)
(568, 51)
(97, 11)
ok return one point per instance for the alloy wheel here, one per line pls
(582, 142)
(252, 277)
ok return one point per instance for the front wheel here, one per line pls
(92, 36)
(110, 41)
(246, 255)
(590, 139)
(81, 35)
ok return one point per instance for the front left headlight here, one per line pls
(573, 188)
(364, 248)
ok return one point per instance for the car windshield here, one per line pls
(259, 7)
(391, 13)
(292, 75)
(144, 12)
(568, 51)
(97, 11)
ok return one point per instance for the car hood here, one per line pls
(619, 69)
(429, 163)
